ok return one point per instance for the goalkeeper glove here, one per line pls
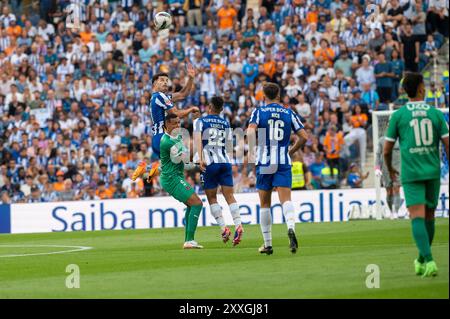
(378, 172)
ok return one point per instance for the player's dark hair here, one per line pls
(271, 90)
(158, 75)
(411, 83)
(169, 117)
(217, 104)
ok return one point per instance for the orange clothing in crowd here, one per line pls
(312, 17)
(226, 17)
(112, 188)
(86, 37)
(333, 145)
(132, 194)
(259, 96)
(269, 68)
(14, 31)
(359, 120)
(105, 194)
(10, 50)
(219, 70)
(123, 158)
(327, 54)
(58, 186)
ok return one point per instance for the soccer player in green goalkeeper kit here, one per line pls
(419, 128)
(173, 156)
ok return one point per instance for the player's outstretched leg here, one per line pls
(216, 209)
(235, 213)
(421, 238)
(289, 215)
(216, 212)
(196, 205)
(419, 267)
(284, 193)
(239, 230)
(430, 267)
(266, 229)
(139, 171)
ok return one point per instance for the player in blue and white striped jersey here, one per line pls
(272, 124)
(212, 135)
(161, 104)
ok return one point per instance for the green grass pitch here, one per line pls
(331, 263)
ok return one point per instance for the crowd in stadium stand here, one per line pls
(74, 102)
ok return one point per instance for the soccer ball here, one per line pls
(162, 20)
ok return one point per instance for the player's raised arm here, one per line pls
(184, 92)
(184, 112)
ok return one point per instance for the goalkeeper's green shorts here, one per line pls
(177, 187)
(422, 193)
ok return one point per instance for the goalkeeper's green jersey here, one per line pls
(172, 154)
(419, 128)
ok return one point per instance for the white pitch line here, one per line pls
(77, 248)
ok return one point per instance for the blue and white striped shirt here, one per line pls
(278, 122)
(216, 136)
(159, 104)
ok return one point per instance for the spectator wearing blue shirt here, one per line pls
(263, 16)
(250, 69)
(384, 73)
(145, 53)
(277, 17)
(355, 178)
(370, 96)
(398, 67)
(323, 3)
(142, 23)
(357, 99)
(316, 170)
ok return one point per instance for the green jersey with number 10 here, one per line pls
(419, 128)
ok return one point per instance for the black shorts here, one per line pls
(178, 12)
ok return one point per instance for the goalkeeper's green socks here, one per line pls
(186, 223)
(429, 224)
(421, 238)
(192, 221)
